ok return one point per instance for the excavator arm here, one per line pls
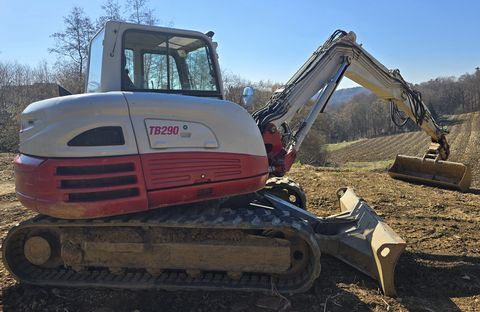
(319, 77)
(357, 236)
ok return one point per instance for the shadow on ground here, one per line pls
(326, 291)
(475, 191)
(452, 121)
(425, 282)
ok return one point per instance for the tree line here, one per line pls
(366, 116)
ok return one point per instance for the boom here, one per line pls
(341, 56)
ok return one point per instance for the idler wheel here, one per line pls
(37, 250)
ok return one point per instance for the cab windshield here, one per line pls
(160, 62)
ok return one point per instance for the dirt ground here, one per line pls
(439, 271)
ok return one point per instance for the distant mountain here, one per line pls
(342, 96)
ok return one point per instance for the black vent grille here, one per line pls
(98, 183)
(101, 169)
(98, 196)
(102, 182)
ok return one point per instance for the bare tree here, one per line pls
(233, 86)
(140, 13)
(312, 151)
(111, 12)
(67, 76)
(43, 73)
(20, 85)
(72, 43)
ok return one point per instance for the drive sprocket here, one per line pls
(288, 190)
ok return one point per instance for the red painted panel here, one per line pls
(39, 186)
(82, 188)
(200, 192)
(167, 170)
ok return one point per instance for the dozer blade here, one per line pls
(357, 236)
(433, 172)
(366, 243)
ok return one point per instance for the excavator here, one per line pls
(151, 179)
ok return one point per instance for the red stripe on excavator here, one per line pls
(200, 192)
(82, 188)
(167, 170)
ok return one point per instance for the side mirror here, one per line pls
(247, 96)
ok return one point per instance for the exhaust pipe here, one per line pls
(445, 174)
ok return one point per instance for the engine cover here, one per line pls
(102, 154)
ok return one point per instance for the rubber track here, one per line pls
(223, 218)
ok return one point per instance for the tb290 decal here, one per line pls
(166, 134)
(164, 130)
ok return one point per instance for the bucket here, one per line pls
(445, 174)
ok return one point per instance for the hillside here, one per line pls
(464, 139)
(342, 96)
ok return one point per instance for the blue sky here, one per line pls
(270, 39)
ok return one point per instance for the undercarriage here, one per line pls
(171, 248)
(251, 242)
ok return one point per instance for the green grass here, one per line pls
(336, 146)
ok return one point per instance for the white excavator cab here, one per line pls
(131, 57)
